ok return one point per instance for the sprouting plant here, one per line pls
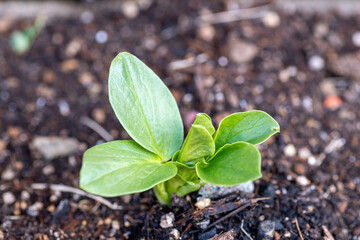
(21, 41)
(148, 112)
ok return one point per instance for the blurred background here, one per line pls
(297, 60)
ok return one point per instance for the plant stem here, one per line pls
(161, 194)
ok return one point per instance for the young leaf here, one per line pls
(231, 165)
(253, 127)
(204, 120)
(145, 106)
(198, 144)
(122, 167)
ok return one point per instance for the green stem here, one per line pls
(161, 194)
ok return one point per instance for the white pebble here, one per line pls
(47, 170)
(8, 198)
(316, 63)
(64, 108)
(287, 234)
(356, 39)
(167, 220)
(203, 203)
(304, 153)
(115, 224)
(130, 9)
(8, 174)
(290, 150)
(175, 233)
(25, 195)
(302, 181)
(87, 17)
(223, 61)
(101, 36)
(271, 20)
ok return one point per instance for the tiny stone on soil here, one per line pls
(304, 153)
(53, 147)
(8, 198)
(332, 102)
(34, 209)
(271, 20)
(206, 32)
(167, 220)
(302, 181)
(203, 203)
(266, 230)
(290, 150)
(130, 9)
(115, 224)
(316, 63)
(356, 39)
(101, 37)
(175, 233)
(8, 174)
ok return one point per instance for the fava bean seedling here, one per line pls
(158, 157)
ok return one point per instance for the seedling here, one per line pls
(157, 157)
(21, 41)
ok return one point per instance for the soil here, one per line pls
(302, 70)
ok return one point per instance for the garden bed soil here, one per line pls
(302, 70)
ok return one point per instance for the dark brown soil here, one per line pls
(311, 170)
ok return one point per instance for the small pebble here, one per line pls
(271, 20)
(175, 233)
(8, 198)
(203, 224)
(167, 220)
(356, 39)
(290, 150)
(327, 87)
(108, 221)
(304, 153)
(332, 102)
(266, 230)
(48, 170)
(203, 203)
(115, 224)
(8, 174)
(99, 115)
(206, 33)
(34, 209)
(287, 234)
(87, 17)
(302, 181)
(316, 63)
(101, 36)
(130, 9)
(25, 195)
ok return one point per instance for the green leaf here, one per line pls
(253, 127)
(198, 144)
(122, 167)
(204, 120)
(145, 106)
(231, 165)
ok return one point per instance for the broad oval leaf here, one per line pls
(145, 106)
(198, 143)
(204, 120)
(253, 127)
(122, 167)
(233, 164)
